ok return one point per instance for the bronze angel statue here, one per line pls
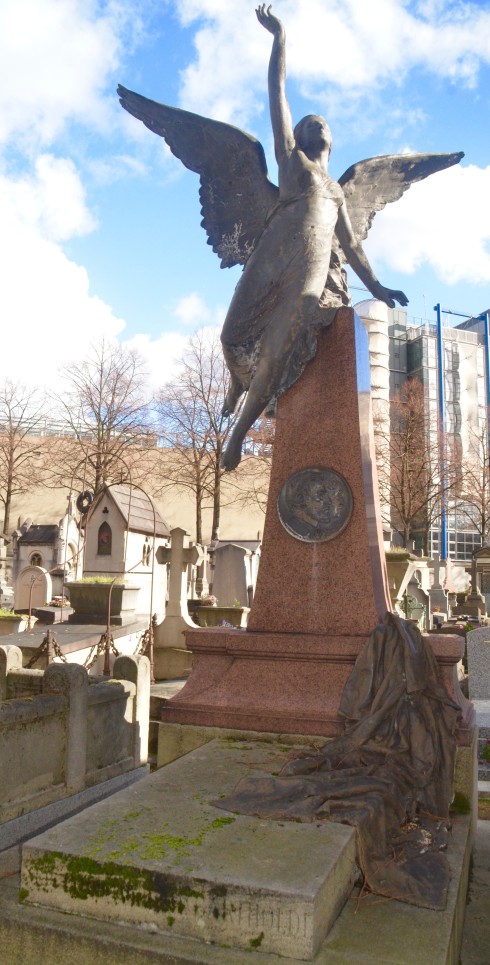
(292, 240)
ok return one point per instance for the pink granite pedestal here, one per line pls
(315, 602)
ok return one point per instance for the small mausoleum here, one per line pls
(45, 548)
(124, 530)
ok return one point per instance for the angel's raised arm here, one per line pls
(282, 124)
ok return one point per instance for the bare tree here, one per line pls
(192, 428)
(413, 482)
(22, 467)
(107, 417)
(473, 506)
(257, 459)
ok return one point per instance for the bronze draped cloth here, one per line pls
(390, 775)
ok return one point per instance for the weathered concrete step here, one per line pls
(160, 855)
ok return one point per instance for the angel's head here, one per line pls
(312, 135)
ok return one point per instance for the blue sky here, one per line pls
(99, 224)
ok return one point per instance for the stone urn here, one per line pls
(90, 602)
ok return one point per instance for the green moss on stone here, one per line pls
(23, 894)
(460, 804)
(256, 942)
(83, 878)
(219, 891)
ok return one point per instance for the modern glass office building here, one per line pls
(452, 364)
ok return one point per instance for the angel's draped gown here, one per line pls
(273, 309)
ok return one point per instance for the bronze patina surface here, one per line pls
(292, 239)
(315, 504)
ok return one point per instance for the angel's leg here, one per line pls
(257, 398)
(276, 347)
(235, 391)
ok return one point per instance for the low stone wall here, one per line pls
(60, 735)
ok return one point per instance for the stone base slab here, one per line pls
(159, 855)
(175, 740)
(367, 932)
(248, 680)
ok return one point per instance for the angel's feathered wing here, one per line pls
(235, 192)
(370, 185)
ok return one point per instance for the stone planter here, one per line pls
(213, 616)
(90, 602)
(13, 624)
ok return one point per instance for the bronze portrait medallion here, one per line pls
(315, 504)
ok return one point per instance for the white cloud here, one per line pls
(49, 315)
(191, 311)
(443, 222)
(161, 355)
(55, 58)
(352, 44)
(52, 199)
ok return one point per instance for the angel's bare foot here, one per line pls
(232, 397)
(232, 454)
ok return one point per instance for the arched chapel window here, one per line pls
(36, 559)
(104, 540)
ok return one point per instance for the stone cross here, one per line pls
(179, 555)
(170, 655)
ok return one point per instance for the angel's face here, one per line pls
(313, 135)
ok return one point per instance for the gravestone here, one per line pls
(286, 672)
(234, 577)
(322, 548)
(33, 588)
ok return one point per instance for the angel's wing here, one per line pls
(369, 185)
(235, 191)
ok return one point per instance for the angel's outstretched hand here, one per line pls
(390, 296)
(268, 20)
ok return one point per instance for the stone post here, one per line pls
(10, 659)
(137, 670)
(71, 681)
(202, 585)
(437, 596)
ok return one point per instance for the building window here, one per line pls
(36, 559)
(104, 540)
(146, 553)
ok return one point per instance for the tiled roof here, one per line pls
(40, 534)
(143, 513)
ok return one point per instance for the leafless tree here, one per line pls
(192, 428)
(410, 452)
(22, 452)
(257, 459)
(473, 506)
(106, 415)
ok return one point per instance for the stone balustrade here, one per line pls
(61, 734)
